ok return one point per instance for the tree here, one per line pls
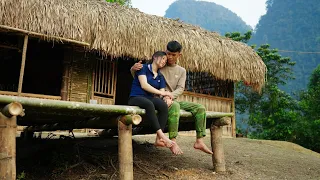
(121, 2)
(310, 105)
(273, 111)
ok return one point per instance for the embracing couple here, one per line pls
(156, 86)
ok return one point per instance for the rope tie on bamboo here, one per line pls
(7, 126)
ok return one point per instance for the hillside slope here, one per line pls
(98, 159)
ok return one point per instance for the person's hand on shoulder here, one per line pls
(137, 66)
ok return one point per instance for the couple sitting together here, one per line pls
(156, 86)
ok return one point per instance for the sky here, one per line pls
(249, 10)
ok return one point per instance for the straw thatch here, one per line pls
(120, 31)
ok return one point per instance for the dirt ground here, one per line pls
(96, 158)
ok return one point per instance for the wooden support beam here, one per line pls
(44, 36)
(23, 62)
(8, 126)
(125, 145)
(217, 148)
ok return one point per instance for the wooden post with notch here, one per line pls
(23, 62)
(218, 160)
(8, 126)
(125, 145)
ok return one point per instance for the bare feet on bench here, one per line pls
(161, 138)
(159, 142)
(175, 149)
(199, 144)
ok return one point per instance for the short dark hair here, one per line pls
(174, 46)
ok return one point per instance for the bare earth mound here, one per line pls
(96, 158)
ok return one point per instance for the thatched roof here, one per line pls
(120, 31)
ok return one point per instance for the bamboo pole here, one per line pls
(217, 148)
(8, 126)
(44, 36)
(12, 109)
(131, 119)
(23, 61)
(69, 122)
(67, 107)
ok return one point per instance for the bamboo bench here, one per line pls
(65, 115)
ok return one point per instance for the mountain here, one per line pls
(292, 25)
(207, 15)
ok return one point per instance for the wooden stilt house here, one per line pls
(82, 51)
(53, 50)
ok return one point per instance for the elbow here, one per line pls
(144, 86)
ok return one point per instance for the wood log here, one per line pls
(217, 148)
(125, 151)
(8, 147)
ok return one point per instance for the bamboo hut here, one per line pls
(82, 50)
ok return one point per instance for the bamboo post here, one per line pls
(233, 110)
(65, 82)
(8, 126)
(125, 145)
(23, 61)
(217, 148)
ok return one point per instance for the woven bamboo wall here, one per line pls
(79, 74)
(212, 103)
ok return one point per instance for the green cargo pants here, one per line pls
(198, 112)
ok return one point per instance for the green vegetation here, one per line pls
(121, 2)
(208, 15)
(274, 114)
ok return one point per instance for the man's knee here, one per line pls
(174, 106)
(201, 108)
(200, 111)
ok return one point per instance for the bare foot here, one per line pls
(175, 149)
(167, 142)
(199, 144)
(159, 142)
